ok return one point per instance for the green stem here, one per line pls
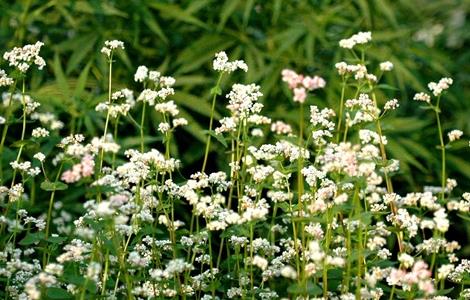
(142, 120)
(107, 115)
(443, 149)
(340, 117)
(215, 91)
(48, 220)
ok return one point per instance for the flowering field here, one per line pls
(258, 159)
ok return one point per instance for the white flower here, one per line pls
(109, 46)
(422, 97)
(406, 259)
(289, 272)
(39, 156)
(391, 104)
(386, 66)
(180, 122)
(260, 262)
(438, 88)
(40, 132)
(440, 218)
(163, 127)
(167, 107)
(4, 79)
(104, 209)
(222, 64)
(455, 135)
(141, 74)
(359, 38)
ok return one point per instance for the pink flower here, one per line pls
(293, 79)
(395, 277)
(300, 94)
(427, 287)
(73, 175)
(313, 83)
(84, 169)
(88, 165)
(420, 269)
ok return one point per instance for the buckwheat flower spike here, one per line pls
(455, 135)
(222, 64)
(4, 79)
(23, 58)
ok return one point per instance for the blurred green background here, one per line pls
(425, 40)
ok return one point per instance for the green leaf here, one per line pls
(53, 186)
(82, 79)
(175, 12)
(312, 289)
(56, 239)
(58, 293)
(466, 218)
(194, 103)
(24, 144)
(216, 91)
(80, 53)
(31, 238)
(60, 76)
(218, 137)
(226, 11)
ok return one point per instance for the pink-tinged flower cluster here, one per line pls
(85, 168)
(300, 84)
(419, 276)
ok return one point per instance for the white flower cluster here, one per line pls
(365, 110)
(110, 46)
(222, 64)
(422, 97)
(386, 66)
(115, 109)
(359, 71)
(40, 132)
(25, 167)
(243, 100)
(455, 135)
(357, 39)
(4, 79)
(442, 85)
(391, 104)
(163, 86)
(23, 58)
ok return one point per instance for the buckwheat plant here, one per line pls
(296, 213)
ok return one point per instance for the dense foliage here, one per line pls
(240, 177)
(424, 39)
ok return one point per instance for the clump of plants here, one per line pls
(296, 213)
